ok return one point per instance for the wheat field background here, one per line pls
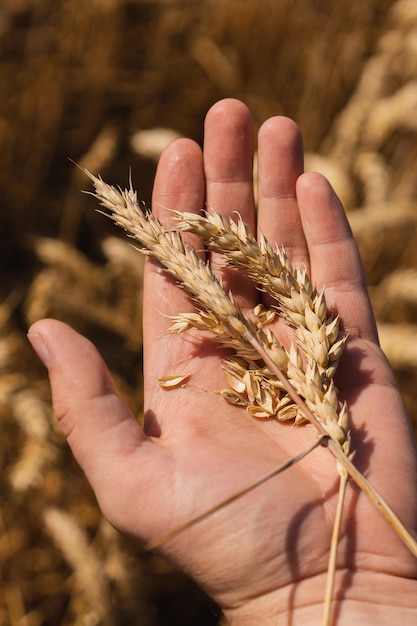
(107, 83)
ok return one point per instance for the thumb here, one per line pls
(99, 427)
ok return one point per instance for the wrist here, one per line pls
(361, 598)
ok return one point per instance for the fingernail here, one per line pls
(40, 347)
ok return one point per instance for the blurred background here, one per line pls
(108, 83)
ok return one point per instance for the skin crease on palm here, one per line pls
(263, 559)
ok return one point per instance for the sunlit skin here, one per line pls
(263, 558)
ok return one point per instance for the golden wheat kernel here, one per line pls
(267, 401)
(259, 412)
(279, 357)
(300, 419)
(265, 316)
(235, 381)
(233, 398)
(286, 414)
(252, 386)
(173, 381)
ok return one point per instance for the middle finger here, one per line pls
(228, 164)
(280, 163)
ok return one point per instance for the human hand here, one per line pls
(266, 554)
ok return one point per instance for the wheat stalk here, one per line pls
(263, 368)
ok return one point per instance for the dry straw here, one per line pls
(86, 565)
(265, 377)
(110, 296)
(34, 418)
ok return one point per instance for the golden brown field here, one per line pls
(84, 80)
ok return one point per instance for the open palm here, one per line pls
(266, 553)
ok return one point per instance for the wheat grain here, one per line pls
(173, 381)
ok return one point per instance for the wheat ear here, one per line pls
(305, 311)
(195, 276)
